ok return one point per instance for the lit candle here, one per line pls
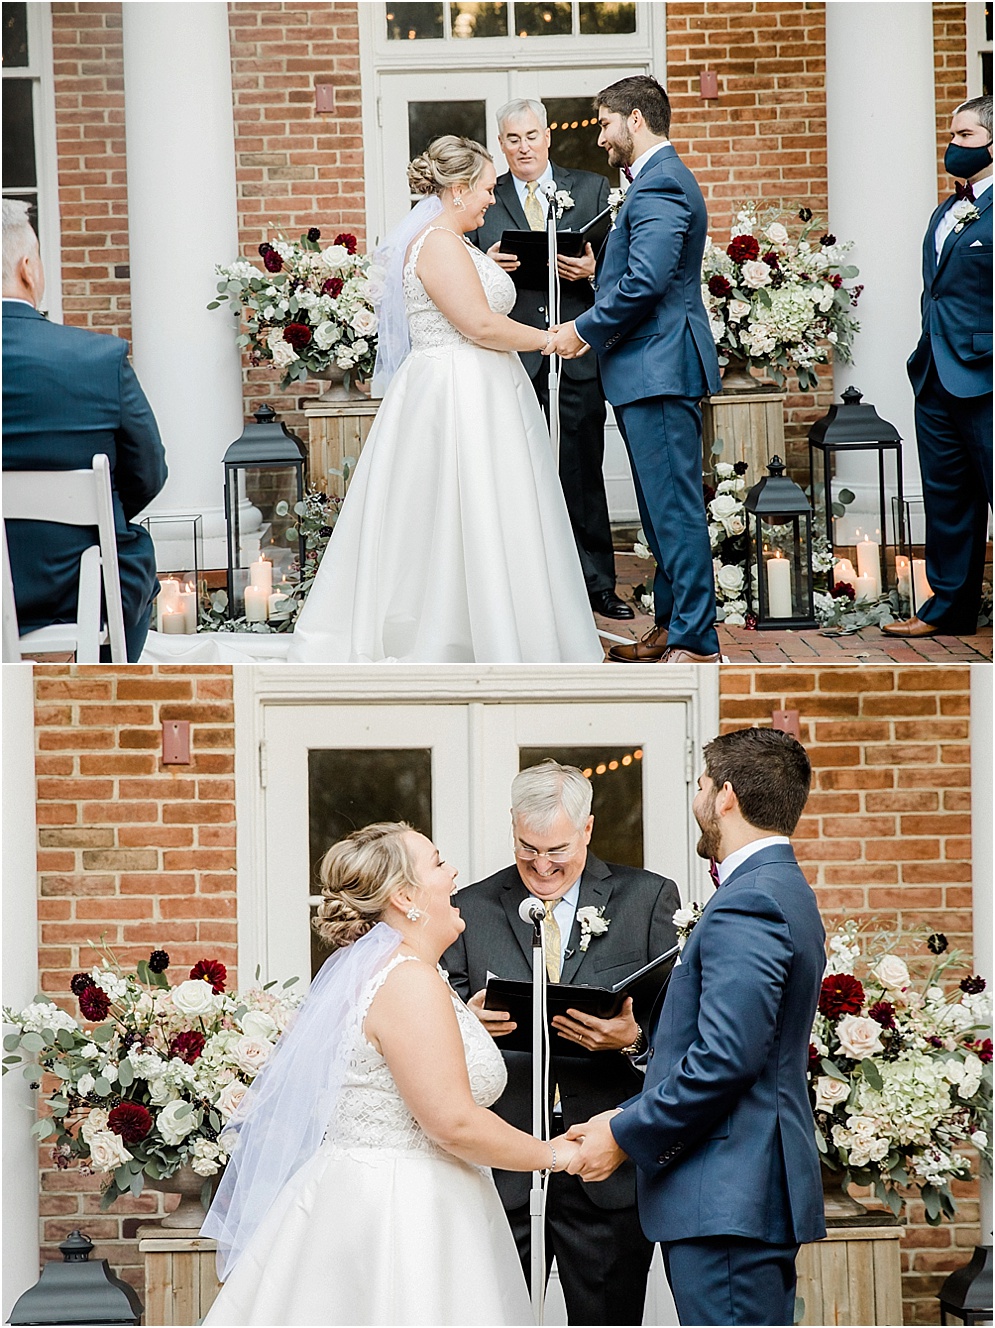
(187, 600)
(168, 601)
(903, 571)
(262, 575)
(277, 602)
(865, 587)
(256, 603)
(869, 564)
(843, 570)
(779, 586)
(172, 620)
(923, 590)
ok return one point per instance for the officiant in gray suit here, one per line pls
(604, 922)
(520, 204)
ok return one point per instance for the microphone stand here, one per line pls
(537, 1192)
(553, 315)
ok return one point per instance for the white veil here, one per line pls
(393, 339)
(282, 1119)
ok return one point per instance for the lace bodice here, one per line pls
(371, 1113)
(430, 329)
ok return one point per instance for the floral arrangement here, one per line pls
(308, 308)
(900, 1070)
(685, 920)
(777, 303)
(149, 1078)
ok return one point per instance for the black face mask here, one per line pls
(963, 163)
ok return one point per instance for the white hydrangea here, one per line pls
(42, 1014)
(115, 987)
(146, 1064)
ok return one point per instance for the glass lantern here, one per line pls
(264, 479)
(178, 541)
(779, 590)
(855, 426)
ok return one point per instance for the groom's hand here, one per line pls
(566, 343)
(577, 269)
(508, 261)
(598, 1155)
(598, 1034)
(497, 1022)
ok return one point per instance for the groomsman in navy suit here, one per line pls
(722, 1134)
(68, 394)
(657, 358)
(951, 373)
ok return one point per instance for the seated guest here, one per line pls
(69, 394)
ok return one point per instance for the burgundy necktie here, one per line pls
(713, 871)
(964, 191)
(628, 175)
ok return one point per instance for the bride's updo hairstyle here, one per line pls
(447, 161)
(359, 875)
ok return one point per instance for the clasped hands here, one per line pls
(589, 1150)
(565, 342)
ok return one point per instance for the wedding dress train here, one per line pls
(381, 1226)
(453, 544)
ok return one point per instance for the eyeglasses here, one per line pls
(530, 855)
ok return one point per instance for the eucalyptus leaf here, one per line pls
(290, 982)
(102, 1033)
(846, 496)
(32, 1043)
(137, 1183)
(65, 1039)
(184, 1109)
(12, 1060)
(205, 1193)
(12, 1041)
(833, 1070)
(101, 1086)
(839, 509)
(872, 1074)
(42, 1129)
(125, 1073)
(152, 1169)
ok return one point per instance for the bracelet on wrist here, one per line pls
(634, 1048)
(552, 1150)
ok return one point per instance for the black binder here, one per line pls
(646, 986)
(532, 249)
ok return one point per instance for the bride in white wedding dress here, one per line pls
(357, 1192)
(453, 544)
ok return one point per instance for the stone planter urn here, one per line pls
(188, 1185)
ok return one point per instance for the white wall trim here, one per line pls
(982, 857)
(976, 43)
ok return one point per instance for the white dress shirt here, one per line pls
(948, 221)
(641, 161)
(521, 188)
(728, 865)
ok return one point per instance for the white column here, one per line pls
(982, 858)
(182, 220)
(882, 191)
(20, 979)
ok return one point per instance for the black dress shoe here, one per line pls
(608, 604)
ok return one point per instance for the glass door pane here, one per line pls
(615, 773)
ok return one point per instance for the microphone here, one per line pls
(531, 910)
(549, 189)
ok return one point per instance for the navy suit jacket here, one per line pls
(68, 394)
(723, 1134)
(957, 306)
(590, 195)
(648, 325)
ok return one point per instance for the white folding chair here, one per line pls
(70, 498)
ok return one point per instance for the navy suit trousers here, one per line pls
(663, 438)
(954, 435)
(731, 1280)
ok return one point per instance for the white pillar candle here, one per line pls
(903, 572)
(923, 590)
(256, 603)
(261, 575)
(172, 621)
(865, 587)
(843, 570)
(278, 602)
(188, 603)
(778, 587)
(869, 564)
(168, 599)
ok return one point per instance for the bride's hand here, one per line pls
(566, 1150)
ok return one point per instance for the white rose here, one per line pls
(718, 329)
(204, 1158)
(194, 997)
(231, 1098)
(325, 335)
(174, 1126)
(734, 525)
(892, 973)
(283, 354)
(738, 309)
(96, 1121)
(107, 1151)
(734, 620)
(859, 1037)
(258, 1024)
(251, 1053)
(364, 321)
(723, 505)
(756, 274)
(730, 578)
(979, 1139)
(360, 347)
(684, 917)
(161, 1092)
(110, 1073)
(335, 256)
(724, 470)
(776, 233)
(90, 1052)
(829, 1093)
(84, 1085)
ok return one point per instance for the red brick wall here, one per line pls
(886, 834)
(139, 852)
(950, 66)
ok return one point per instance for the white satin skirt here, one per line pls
(453, 544)
(374, 1236)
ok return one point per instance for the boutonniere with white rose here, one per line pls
(563, 200)
(616, 197)
(964, 211)
(685, 920)
(592, 923)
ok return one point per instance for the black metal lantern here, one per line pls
(264, 479)
(967, 1292)
(779, 590)
(78, 1291)
(855, 426)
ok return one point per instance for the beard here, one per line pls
(620, 152)
(710, 841)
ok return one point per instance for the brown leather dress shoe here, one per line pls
(910, 627)
(650, 648)
(678, 655)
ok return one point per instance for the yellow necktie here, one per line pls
(552, 942)
(534, 215)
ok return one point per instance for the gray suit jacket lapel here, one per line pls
(507, 195)
(595, 891)
(513, 894)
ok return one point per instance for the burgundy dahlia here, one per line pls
(94, 1004)
(210, 969)
(971, 986)
(347, 241)
(740, 467)
(841, 994)
(883, 1012)
(297, 335)
(836, 281)
(131, 1121)
(814, 1060)
(744, 249)
(983, 1050)
(805, 214)
(771, 259)
(708, 492)
(264, 248)
(158, 961)
(843, 590)
(80, 982)
(719, 286)
(313, 234)
(936, 1042)
(751, 622)
(187, 1046)
(272, 261)
(937, 942)
(333, 287)
(827, 240)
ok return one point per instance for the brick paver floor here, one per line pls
(869, 646)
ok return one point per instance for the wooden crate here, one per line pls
(336, 430)
(181, 1282)
(751, 426)
(854, 1276)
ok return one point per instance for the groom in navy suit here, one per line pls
(722, 1134)
(657, 358)
(951, 373)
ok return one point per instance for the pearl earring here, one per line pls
(458, 200)
(413, 914)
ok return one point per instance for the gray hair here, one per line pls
(19, 238)
(511, 110)
(541, 791)
(981, 109)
